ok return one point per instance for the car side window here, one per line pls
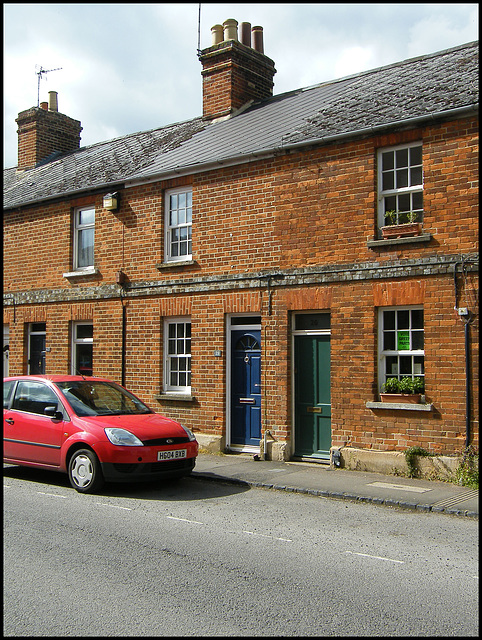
(7, 392)
(33, 397)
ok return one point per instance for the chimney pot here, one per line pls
(44, 105)
(230, 29)
(258, 39)
(217, 34)
(246, 33)
(53, 101)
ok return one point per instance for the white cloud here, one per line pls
(130, 67)
(441, 31)
(353, 60)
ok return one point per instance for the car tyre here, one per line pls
(85, 474)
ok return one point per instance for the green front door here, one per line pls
(312, 396)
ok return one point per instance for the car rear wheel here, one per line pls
(85, 474)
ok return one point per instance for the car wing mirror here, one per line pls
(52, 412)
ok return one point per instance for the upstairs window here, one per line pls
(400, 185)
(84, 231)
(178, 225)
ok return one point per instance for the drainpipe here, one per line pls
(467, 384)
(124, 338)
(124, 331)
(11, 296)
(270, 293)
(467, 318)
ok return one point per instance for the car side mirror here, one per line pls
(52, 412)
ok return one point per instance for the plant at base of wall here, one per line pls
(410, 454)
(467, 473)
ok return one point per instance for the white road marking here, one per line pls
(401, 487)
(52, 495)
(262, 535)
(184, 520)
(112, 506)
(366, 555)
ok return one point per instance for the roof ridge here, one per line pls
(393, 65)
(445, 86)
(141, 132)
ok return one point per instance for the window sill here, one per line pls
(423, 237)
(174, 264)
(405, 406)
(178, 397)
(91, 271)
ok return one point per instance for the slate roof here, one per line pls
(430, 86)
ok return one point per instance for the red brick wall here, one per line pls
(316, 208)
(354, 358)
(293, 211)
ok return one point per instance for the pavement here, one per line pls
(329, 482)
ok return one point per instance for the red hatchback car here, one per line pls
(92, 429)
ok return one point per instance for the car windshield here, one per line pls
(96, 398)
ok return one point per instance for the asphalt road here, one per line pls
(197, 558)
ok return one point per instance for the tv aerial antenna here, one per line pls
(40, 73)
(199, 30)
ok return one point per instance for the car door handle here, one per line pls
(9, 420)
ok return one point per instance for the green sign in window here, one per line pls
(403, 340)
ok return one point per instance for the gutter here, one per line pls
(262, 154)
(270, 152)
(78, 193)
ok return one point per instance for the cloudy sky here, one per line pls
(133, 67)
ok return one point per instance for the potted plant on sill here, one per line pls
(405, 390)
(398, 228)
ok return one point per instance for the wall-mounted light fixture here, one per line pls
(111, 201)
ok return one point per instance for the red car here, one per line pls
(92, 429)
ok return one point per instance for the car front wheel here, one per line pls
(85, 474)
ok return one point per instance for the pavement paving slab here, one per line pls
(325, 481)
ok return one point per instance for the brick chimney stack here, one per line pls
(43, 131)
(235, 73)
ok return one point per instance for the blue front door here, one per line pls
(245, 387)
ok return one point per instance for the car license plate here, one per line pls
(174, 454)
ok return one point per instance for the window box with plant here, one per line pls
(401, 224)
(406, 390)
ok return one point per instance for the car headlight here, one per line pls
(122, 437)
(190, 434)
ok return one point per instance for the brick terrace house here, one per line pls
(232, 270)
